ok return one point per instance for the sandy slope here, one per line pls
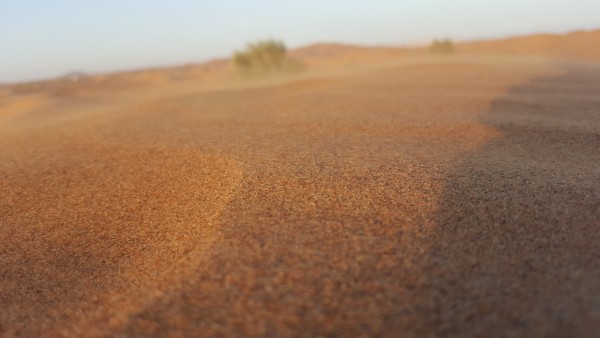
(579, 45)
(453, 196)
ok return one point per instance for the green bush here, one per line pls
(267, 56)
(442, 46)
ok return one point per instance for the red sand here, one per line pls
(450, 196)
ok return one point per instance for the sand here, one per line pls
(424, 197)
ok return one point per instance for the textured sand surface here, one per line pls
(454, 196)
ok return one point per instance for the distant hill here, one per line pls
(576, 46)
(326, 54)
(579, 46)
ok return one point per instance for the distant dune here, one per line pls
(581, 45)
(577, 46)
(331, 55)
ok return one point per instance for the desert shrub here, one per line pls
(267, 56)
(442, 46)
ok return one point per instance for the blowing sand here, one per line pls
(454, 196)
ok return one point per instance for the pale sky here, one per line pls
(48, 38)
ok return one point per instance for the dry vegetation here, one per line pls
(264, 57)
(442, 47)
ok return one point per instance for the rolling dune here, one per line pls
(580, 45)
(418, 197)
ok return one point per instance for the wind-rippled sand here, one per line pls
(453, 196)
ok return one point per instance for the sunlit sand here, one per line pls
(378, 192)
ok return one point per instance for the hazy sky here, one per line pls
(46, 38)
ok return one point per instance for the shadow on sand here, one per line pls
(517, 248)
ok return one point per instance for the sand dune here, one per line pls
(581, 45)
(426, 196)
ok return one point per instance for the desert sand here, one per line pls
(381, 192)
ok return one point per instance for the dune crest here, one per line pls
(575, 46)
